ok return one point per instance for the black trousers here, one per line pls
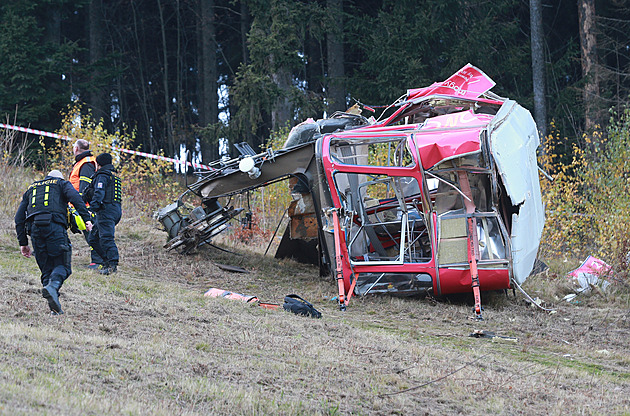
(94, 257)
(102, 235)
(53, 252)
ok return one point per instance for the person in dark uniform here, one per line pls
(43, 214)
(105, 197)
(81, 177)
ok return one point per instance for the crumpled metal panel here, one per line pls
(469, 82)
(230, 180)
(513, 142)
(449, 136)
(303, 223)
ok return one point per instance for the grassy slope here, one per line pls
(146, 341)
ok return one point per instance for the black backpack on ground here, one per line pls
(297, 305)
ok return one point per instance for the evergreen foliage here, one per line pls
(139, 63)
(32, 68)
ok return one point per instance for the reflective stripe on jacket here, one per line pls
(46, 196)
(75, 175)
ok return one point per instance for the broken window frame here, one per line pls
(356, 222)
(502, 262)
(403, 151)
(392, 175)
(484, 167)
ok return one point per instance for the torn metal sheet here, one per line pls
(234, 177)
(513, 143)
(469, 82)
(441, 196)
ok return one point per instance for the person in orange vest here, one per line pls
(81, 178)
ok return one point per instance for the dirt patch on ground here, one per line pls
(146, 341)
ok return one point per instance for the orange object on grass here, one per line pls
(220, 293)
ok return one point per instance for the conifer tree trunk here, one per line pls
(588, 48)
(314, 68)
(97, 95)
(165, 79)
(336, 73)
(244, 23)
(180, 68)
(281, 112)
(209, 100)
(538, 66)
(143, 94)
(53, 24)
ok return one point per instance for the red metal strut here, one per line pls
(472, 241)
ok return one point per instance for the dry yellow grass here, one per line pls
(146, 341)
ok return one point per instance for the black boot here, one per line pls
(52, 296)
(108, 269)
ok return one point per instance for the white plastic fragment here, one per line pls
(591, 274)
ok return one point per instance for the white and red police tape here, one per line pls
(132, 152)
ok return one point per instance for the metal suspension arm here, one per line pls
(343, 301)
(472, 241)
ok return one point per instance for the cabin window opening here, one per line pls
(384, 221)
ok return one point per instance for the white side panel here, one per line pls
(513, 143)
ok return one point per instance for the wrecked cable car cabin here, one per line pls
(442, 196)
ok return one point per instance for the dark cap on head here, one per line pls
(104, 159)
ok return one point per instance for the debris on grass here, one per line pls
(589, 278)
(234, 269)
(299, 306)
(480, 333)
(220, 293)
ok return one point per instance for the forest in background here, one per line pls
(182, 71)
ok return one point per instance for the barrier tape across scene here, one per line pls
(132, 152)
